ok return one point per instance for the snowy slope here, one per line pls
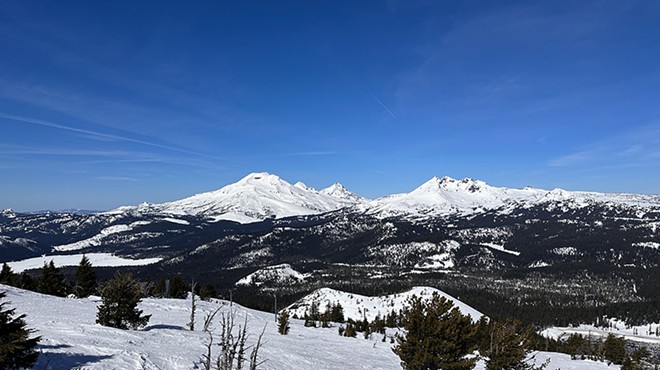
(280, 274)
(71, 339)
(641, 334)
(256, 197)
(443, 196)
(96, 259)
(338, 191)
(357, 306)
(259, 196)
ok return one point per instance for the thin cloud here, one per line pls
(94, 134)
(383, 105)
(304, 154)
(117, 178)
(572, 159)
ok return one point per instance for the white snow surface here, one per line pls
(96, 259)
(71, 339)
(338, 191)
(259, 196)
(641, 334)
(500, 248)
(358, 306)
(98, 238)
(256, 197)
(278, 273)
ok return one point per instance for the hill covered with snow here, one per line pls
(358, 307)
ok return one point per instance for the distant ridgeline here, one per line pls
(547, 257)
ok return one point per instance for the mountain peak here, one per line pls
(450, 184)
(259, 177)
(303, 186)
(338, 191)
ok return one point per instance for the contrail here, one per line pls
(383, 105)
(95, 133)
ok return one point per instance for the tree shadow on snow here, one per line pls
(50, 360)
(163, 326)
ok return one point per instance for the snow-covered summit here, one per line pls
(280, 274)
(439, 196)
(255, 197)
(338, 191)
(357, 307)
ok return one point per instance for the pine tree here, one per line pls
(119, 299)
(509, 343)
(178, 288)
(7, 276)
(27, 282)
(614, 349)
(52, 281)
(337, 313)
(437, 336)
(637, 360)
(207, 291)
(17, 349)
(283, 322)
(85, 279)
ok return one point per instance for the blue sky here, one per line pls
(113, 103)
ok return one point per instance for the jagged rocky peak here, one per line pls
(338, 191)
(451, 184)
(303, 186)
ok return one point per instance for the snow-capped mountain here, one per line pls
(256, 197)
(260, 196)
(442, 196)
(338, 191)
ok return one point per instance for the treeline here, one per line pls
(52, 281)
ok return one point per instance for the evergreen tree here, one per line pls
(437, 336)
(207, 291)
(52, 281)
(509, 345)
(85, 279)
(27, 282)
(178, 287)
(7, 276)
(337, 313)
(283, 322)
(638, 360)
(17, 349)
(350, 331)
(119, 299)
(614, 349)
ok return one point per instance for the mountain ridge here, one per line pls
(260, 196)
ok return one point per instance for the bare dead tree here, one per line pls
(231, 344)
(193, 306)
(208, 318)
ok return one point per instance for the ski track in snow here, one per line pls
(71, 339)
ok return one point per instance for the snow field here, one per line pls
(71, 339)
(97, 259)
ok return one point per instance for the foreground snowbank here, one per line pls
(71, 339)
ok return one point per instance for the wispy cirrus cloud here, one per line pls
(117, 178)
(573, 159)
(633, 148)
(95, 134)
